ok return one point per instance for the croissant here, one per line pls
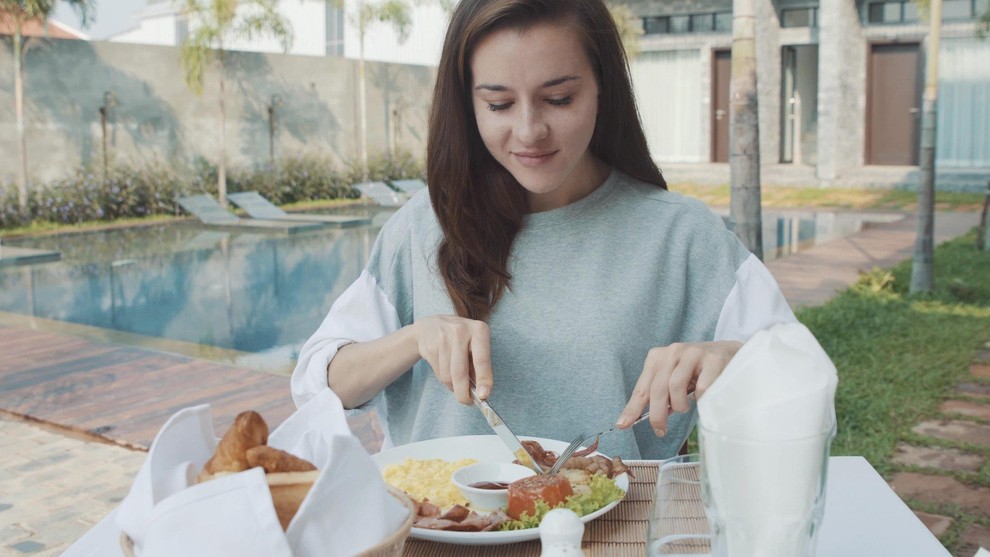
(244, 446)
(249, 430)
(275, 460)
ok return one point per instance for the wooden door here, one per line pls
(893, 104)
(721, 75)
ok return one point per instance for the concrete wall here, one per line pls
(768, 63)
(156, 117)
(841, 90)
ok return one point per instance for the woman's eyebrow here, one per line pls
(559, 80)
(552, 83)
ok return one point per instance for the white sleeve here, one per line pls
(754, 303)
(362, 313)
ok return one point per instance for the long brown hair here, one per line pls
(478, 203)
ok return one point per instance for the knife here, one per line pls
(504, 433)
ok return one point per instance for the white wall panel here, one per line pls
(963, 103)
(381, 42)
(668, 92)
(158, 30)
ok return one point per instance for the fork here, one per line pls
(580, 440)
(582, 437)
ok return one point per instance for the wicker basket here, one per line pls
(391, 546)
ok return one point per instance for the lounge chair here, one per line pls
(10, 256)
(408, 186)
(260, 208)
(381, 194)
(210, 213)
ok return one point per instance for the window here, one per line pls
(957, 9)
(656, 25)
(181, 29)
(884, 12)
(335, 30)
(799, 17)
(906, 11)
(720, 22)
(723, 21)
(680, 24)
(911, 11)
(701, 23)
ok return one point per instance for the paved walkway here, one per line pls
(811, 277)
(56, 480)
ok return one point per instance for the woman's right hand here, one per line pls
(459, 351)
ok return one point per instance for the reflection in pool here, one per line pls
(256, 293)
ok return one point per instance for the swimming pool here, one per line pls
(256, 296)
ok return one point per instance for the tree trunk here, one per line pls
(744, 130)
(922, 266)
(362, 105)
(986, 221)
(222, 166)
(22, 182)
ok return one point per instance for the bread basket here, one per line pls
(393, 545)
(289, 489)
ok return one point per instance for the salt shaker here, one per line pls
(560, 534)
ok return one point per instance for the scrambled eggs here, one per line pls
(428, 479)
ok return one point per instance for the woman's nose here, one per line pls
(532, 126)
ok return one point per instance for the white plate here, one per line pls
(483, 448)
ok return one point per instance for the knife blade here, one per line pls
(504, 433)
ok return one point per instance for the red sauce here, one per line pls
(490, 485)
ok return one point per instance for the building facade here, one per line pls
(840, 83)
(319, 27)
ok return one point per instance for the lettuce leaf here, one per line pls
(603, 491)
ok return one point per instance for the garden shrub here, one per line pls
(151, 189)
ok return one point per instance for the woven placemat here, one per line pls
(620, 532)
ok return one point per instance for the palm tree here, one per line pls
(397, 13)
(744, 126)
(630, 27)
(213, 23)
(19, 12)
(922, 265)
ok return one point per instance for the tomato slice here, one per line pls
(524, 493)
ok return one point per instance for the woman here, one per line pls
(548, 266)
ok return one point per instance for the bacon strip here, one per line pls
(426, 509)
(458, 519)
(580, 460)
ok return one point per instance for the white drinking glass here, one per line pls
(763, 497)
(678, 525)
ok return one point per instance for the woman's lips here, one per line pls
(533, 158)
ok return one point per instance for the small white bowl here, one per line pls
(487, 500)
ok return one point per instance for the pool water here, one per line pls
(260, 294)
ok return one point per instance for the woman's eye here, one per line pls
(561, 102)
(498, 107)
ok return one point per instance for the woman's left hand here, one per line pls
(670, 373)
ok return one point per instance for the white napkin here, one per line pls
(347, 510)
(763, 450)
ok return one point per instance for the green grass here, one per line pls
(899, 355)
(836, 198)
(39, 228)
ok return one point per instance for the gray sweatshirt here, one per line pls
(595, 285)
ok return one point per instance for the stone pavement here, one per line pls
(940, 465)
(54, 484)
(53, 487)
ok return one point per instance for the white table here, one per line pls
(863, 517)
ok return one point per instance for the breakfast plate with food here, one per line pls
(589, 484)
